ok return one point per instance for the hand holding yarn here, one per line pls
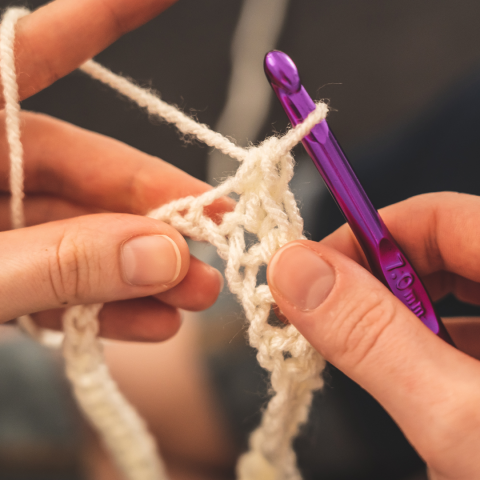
(74, 254)
(429, 388)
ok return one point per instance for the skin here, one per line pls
(429, 388)
(86, 195)
(85, 192)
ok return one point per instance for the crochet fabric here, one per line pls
(266, 211)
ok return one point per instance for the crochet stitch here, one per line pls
(266, 209)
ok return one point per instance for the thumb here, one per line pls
(88, 259)
(359, 326)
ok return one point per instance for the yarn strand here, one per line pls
(12, 112)
(266, 209)
(155, 106)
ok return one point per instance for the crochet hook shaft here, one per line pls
(387, 262)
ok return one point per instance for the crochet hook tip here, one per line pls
(282, 72)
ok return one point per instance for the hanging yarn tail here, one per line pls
(12, 112)
(123, 431)
(12, 122)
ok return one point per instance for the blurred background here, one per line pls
(403, 80)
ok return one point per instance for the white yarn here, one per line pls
(12, 112)
(155, 106)
(267, 209)
(121, 428)
(8, 76)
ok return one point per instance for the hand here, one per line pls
(431, 389)
(78, 251)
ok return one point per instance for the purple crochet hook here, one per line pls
(388, 263)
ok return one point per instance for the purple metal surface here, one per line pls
(388, 263)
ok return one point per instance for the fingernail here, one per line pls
(150, 260)
(302, 277)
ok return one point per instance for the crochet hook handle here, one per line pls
(388, 263)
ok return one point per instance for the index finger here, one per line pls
(58, 37)
(92, 170)
(439, 232)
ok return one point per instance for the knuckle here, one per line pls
(359, 325)
(69, 270)
(48, 74)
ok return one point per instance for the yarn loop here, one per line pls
(266, 210)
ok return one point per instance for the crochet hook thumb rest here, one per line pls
(388, 263)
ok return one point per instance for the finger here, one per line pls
(465, 332)
(89, 259)
(41, 209)
(136, 320)
(439, 232)
(93, 170)
(440, 284)
(197, 291)
(59, 37)
(361, 328)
